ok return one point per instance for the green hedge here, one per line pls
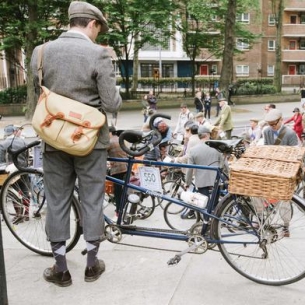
(241, 86)
(16, 95)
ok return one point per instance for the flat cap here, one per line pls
(273, 115)
(296, 110)
(254, 120)
(203, 129)
(86, 10)
(199, 115)
(10, 129)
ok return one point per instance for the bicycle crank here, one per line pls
(196, 242)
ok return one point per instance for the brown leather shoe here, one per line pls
(93, 273)
(62, 279)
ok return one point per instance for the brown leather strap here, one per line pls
(278, 140)
(39, 63)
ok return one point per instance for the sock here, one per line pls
(59, 253)
(92, 250)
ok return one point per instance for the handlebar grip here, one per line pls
(135, 137)
(157, 115)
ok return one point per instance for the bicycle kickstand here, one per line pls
(177, 258)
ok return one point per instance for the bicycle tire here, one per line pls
(23, 206)
(264, 244)
(171, 188)
(172, 216)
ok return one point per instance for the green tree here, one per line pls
(226, 29)
(135, 23)
(26, 23)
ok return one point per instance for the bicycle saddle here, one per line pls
(224, 146)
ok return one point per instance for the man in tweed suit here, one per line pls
(76, 67)
(202, 154)
(224, 121)
(277, 133)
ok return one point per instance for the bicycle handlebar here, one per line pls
(16, 153)
(141, 141)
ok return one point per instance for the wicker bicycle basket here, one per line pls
(267, 171)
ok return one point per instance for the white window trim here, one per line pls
(244, 70)
(271, 19)
(269, 47)
(243, 18)
(270, 70)
(242, 45)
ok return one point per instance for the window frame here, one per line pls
(245, 70)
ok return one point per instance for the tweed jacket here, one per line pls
(289, 139)
(202, 154)
(225, 119)
(75, 67)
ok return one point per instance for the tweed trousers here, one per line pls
(60, 173)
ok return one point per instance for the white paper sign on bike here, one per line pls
(150, 178)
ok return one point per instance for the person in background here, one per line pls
(117, 169)
(166, 135)
(254, 133)
(277, 133)
(298, 124)
(207, 106)
(202, 154)
(78, 68)
(13, 139)
(151, 100)
(218, 95)
(302, 92)
(193, 140)
(184, 116)
(224, 121)
(201, 120)
(198, 102)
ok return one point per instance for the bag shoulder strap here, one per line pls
(280, 137)
(39, 63)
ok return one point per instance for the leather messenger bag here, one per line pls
(64, 123)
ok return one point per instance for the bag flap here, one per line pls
(61, 107)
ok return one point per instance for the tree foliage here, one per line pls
(134, 24)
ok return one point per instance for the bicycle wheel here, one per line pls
(172, 189)
(263, 241)
(146, 206)
(23, 205)
(173, 216)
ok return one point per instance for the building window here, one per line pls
(302, 44)
(148, 69)
(242, 70)
(243, 18)
(271, 19)
(293, 19)
(242, 44)
(302, 69)
(270, 70)
(302, 18)
(271, 45)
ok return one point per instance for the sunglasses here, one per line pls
(273, 123)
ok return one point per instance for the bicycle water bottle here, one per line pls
(195, 199)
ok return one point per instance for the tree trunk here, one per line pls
(135, 68)
(277, 80)
(226, 76)
(32, 36)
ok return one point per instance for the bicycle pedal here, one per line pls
(174, 260)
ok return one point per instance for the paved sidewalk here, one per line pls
(140, 276)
